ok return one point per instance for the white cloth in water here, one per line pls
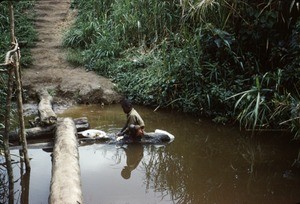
(93, 133)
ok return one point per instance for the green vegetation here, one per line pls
(227, 60)
(26, 36)
(234, 59)
(24, 29)
(205, 57)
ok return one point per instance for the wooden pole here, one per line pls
(12, 22)
(22, 135)
(6, 136)
(7, 120)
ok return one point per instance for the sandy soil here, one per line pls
(50, 69)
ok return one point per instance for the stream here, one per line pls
(206, 163)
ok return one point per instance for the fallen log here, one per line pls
(48, 131)
(34, 133)
(65, 184)
(46, 113)
(44, 145)
(81, 123)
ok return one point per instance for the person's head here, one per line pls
(126, 105)
(126, 173)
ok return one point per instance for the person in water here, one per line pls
(134, 127)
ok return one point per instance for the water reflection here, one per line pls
(32, 186)
(206, 163)
(4, 185)
(25, 183)
(212, 172)
(134, 154)
(20, 179)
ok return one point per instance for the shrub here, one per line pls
(196, 55)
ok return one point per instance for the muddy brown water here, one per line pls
(206, 163)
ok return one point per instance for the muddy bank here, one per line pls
(50, 69)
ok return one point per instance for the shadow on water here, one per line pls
(206, 163)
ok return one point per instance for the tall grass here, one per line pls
(193, 55)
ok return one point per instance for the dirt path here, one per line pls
(50, 68)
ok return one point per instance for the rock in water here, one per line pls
(93, 133)
(163, 132)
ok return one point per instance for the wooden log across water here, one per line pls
(46, 113)
(40, 145)
(81, 123)
(65, 184)
(48, 131)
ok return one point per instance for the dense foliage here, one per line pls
(222, 59)
(25, 34)
(196, 55)
(24, 29)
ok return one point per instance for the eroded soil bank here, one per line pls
(50, 70)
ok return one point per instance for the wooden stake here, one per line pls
(6, 136)
(19, 88)
(22, 133)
